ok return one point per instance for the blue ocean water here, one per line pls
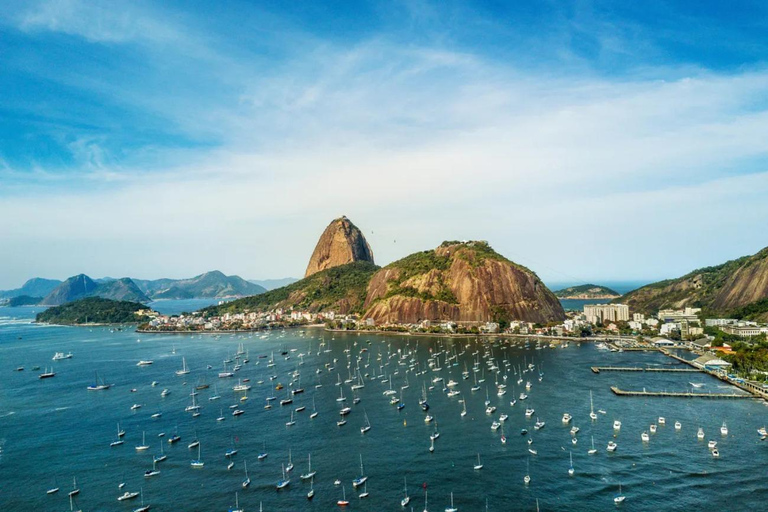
(55, 429)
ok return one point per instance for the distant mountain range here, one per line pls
(35, 287)
(214, 284)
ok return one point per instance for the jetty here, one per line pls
(598, 369)
(683, 394)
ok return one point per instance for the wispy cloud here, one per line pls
(416, 142)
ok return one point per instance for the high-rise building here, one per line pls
(599, 313)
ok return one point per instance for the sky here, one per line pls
(591, 141)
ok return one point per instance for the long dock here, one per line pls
(598, 369)
(622, 392)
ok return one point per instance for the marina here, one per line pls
(387, 441)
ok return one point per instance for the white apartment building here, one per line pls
(599, 313)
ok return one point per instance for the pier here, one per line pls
(598, 369)
(621, 392)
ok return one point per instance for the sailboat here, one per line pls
(478, 466)
(263, 454)
(365, 428)
(592, 413)
(527, 477)
(184, 370)
(314, 410)
(309, 474)
(54, 489)
(98, 385)
(72, 504)
(162, 456)
(197, 463)
(406, 499)
(290, 423)
(452, 508)
(119, 440)
(592, 450)
(357, 482)
(152, 472)
(311, 493)
(570, 468)
(143, 446)
(289, 467)
(142, 508)
(282, 484)
(426, 509)
(619, 497)
(237, 505)
(247, 480)
(343, 501)
(364, 494)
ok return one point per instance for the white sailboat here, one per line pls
(247, 480)
(184, 370)
(406, 499)
(357, 482)
(142, 508)
(282, 484)
(365, 428)
(592, 413)
(309, 474)
(197, 463)
(619, 497)
(452, 508)
(478, 466)
(143, 446)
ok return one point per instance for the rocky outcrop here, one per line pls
(341, 243)
(720, 289)
(462, 282)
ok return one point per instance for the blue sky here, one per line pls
(587, 140)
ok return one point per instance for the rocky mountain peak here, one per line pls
(341, 243)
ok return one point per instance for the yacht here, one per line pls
(678, 425)
(616, 425)
(612, 446)
(724, 429)
(645, 437)
(700, 433)
(567, 418)
(127, 496)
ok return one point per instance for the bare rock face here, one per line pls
(341, 243)
(461, 282)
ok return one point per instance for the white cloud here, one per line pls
(575, 175)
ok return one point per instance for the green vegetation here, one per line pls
(588, 290)
(327, 289)
(756, 311)
(750, 359)
(93, 310)
(24, 300)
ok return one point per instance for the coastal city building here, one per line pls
(599, 313)
(676, 315)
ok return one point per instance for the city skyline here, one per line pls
(590, 143)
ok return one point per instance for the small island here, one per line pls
(95, 310)
(587, 292)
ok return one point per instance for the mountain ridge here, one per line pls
(718, 289)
